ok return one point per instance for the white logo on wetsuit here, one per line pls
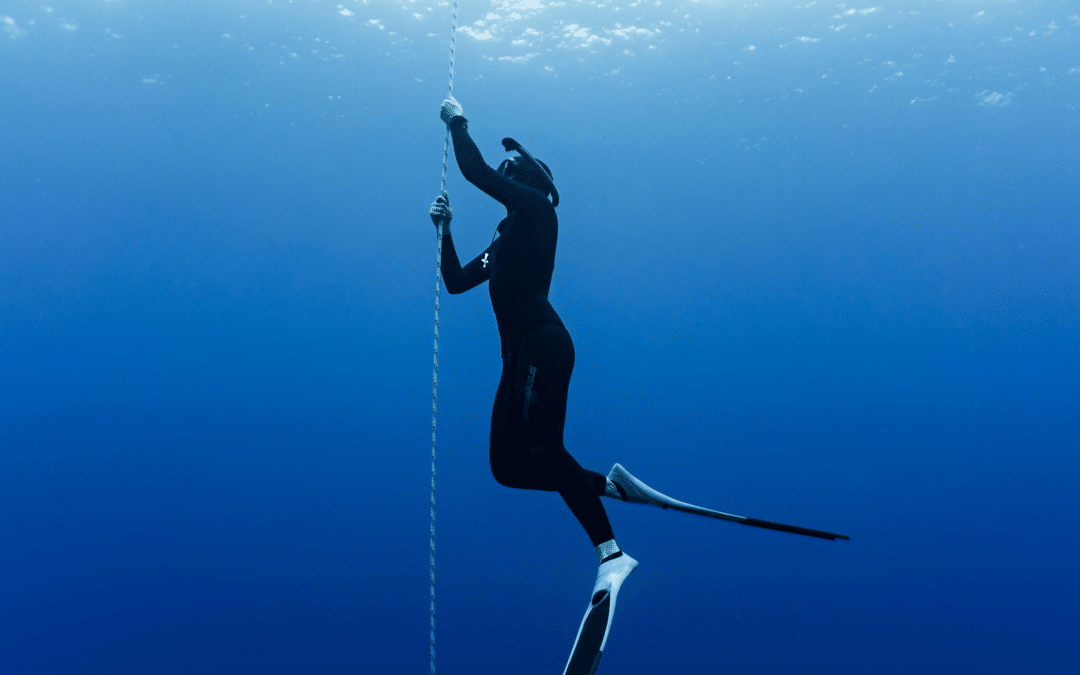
(484, 260)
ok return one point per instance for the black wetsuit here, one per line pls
(538, 355)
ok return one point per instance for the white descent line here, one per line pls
(435, 365)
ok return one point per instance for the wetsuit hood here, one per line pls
(537, 167)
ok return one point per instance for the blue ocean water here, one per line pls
(820, 261)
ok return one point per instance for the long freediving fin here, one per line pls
(633, 490)
(593, 634)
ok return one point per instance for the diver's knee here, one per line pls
(505, 474)
(526, 469)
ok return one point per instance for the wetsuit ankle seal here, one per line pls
(607, 549)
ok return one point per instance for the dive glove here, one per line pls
(450, 109)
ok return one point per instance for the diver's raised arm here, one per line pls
(458, 279)
(472, 164)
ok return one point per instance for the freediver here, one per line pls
(526, 444)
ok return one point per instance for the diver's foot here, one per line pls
(611, 574)
(622, 485)
(615, 491)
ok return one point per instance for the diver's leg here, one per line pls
(542, 367)
(577, 487)
(545, 363)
